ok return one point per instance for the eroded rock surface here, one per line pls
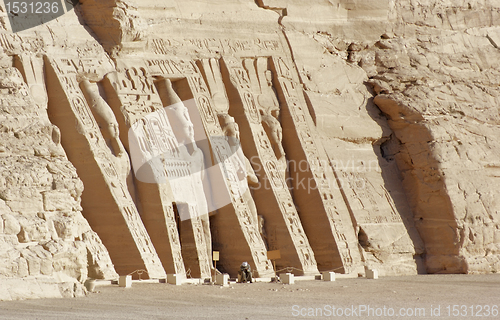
(437, 83)
(45, 239)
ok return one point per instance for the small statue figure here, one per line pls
(273, 130)
(270, 114)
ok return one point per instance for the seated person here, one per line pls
(245, 273)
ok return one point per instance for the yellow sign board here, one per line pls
(215, 255)
(274, 255)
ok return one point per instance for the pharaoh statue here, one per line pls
(269, 111)
(110, 131)
(183, 129)
(270, 114)
(273, 130)
(245, 172)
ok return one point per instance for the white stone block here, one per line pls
(328, 276)
(125, 281)
(222, 279)
(287, 278)
(174, 279)
(90, 285)
(372, 274)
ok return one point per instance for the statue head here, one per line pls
(230, 127)
(113, 129)
(275, 113)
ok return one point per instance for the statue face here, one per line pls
(276, 113)
(233, 131)
(113, 130)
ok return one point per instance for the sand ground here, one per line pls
(408, 297)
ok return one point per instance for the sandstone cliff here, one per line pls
(368, 140)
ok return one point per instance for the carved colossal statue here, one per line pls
(269, 111)
(183, 128)
(246, 174)
(109, 128)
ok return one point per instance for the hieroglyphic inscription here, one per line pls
(136, 91)
(248, 89)
(323, 176)
(173, 67)
(215, 46)
(79, 66)
(370, 204)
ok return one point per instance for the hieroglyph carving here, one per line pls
(228, 46)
